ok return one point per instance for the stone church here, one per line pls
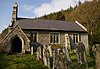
(26, 34)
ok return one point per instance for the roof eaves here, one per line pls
(53, 30)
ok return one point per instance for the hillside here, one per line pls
(87, 14)
(60, 15)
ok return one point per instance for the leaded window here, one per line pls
(75, 38)
(54, 37)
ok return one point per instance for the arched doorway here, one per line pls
(16, 45)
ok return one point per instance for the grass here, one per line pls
(20, 62)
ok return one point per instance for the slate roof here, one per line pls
(48, 25)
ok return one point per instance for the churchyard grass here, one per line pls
(26, 61)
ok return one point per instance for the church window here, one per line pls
(75, 38)
(54, 37)
(34, 37)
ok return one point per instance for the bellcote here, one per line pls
(15, 10)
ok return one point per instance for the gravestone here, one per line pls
(50, 50)
(39, 53)
(60, 59)
(94, 49)
(65, 51)
(46, 56)
(81, 53)
(61, 63)
(31, 50)
(98, 56)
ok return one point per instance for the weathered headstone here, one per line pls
(31, 50)
(54, 59)
(65, 51)
(39, 53)
(94, 49)
(81, 53)
(63, 61)
(46, 56)
(98, 56)
(50, 50)
(67, 41)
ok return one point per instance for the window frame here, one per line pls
(76, 36)
(32, 36)
(56, 41)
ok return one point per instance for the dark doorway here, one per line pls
(16, 45)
